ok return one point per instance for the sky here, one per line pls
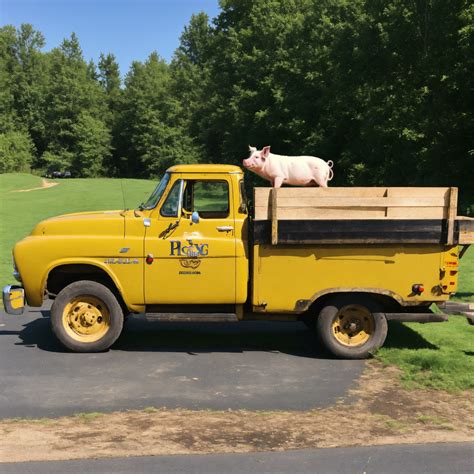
(130, 29)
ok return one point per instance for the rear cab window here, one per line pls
(209, 198)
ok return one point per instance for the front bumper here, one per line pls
(13, 299)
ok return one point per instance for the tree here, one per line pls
(92, 145)
(152, 136)
(189, 70)
(75, 106)
(110, 81)
(16, 151)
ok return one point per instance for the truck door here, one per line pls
(193, 262)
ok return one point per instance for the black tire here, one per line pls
(71, 327)
(338, 337)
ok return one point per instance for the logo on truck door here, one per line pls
(190, 250)
(191, 263)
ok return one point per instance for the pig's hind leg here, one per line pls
(320, 179)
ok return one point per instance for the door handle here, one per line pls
(224, 228)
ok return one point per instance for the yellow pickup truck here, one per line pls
(343, 260)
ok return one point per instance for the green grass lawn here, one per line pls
(437, 355)
(432, 355)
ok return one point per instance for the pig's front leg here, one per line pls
(277, 182)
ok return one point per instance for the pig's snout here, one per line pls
(247, 162)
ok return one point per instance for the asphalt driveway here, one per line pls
(250, 365)
(455, 458)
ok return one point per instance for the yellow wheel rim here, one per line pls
(353, 325)
(86, 319)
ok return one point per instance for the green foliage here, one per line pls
(92, 145)
(16, 152)
(152, 133)
(75, 105)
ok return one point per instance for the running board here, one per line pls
(192, 317)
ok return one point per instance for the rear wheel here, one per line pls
(352, 327)
(86, 317)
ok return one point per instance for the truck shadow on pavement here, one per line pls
(140, 335)
(192, 338)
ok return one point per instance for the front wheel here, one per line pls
(86, 317)
(352, 327)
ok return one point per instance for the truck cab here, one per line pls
(195, 246)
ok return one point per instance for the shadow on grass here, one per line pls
(464, 294)
(403, 337)
(140, 335)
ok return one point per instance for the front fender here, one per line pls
(37, 256)
(132, 292)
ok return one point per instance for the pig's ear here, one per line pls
(252, 148)
(265, 151)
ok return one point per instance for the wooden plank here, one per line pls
(452, 211)
(417, 213)
(361, 202)
(298, 213)
(466, 238)
(264, 193)
(264, 213)
(419, 192)
(274, 197)
(466, 230)
(406, 203)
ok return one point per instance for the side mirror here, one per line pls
(195, 217)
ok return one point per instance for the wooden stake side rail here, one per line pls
(466, 230)
(357, 231)
(360, 215)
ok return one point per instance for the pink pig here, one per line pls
(295, 170)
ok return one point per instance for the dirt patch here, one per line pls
(44, 185)
(384, 413)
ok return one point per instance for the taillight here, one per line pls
(418, 288)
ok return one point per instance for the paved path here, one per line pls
(453, 458)
(253, 365)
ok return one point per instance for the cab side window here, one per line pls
(209, 198)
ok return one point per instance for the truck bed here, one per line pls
(376, 215)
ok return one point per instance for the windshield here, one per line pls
(156, 194)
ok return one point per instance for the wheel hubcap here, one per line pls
(353, 325)
(86, 319)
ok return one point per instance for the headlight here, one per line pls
(16, 273)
